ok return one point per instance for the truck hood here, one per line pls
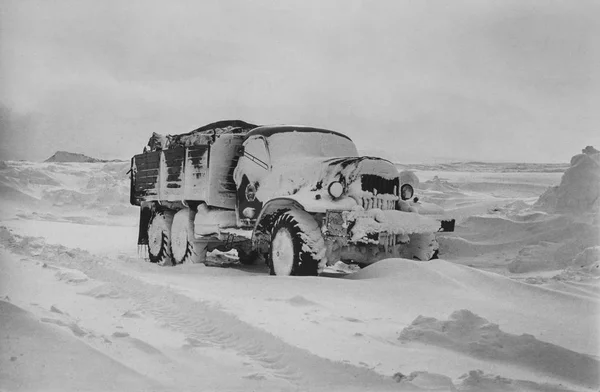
(310, 177)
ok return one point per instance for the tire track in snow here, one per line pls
(209, 325)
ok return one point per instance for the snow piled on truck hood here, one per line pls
(290, 176)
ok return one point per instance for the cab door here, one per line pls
(254, 165)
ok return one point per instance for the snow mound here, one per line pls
(522, 240)
(439, 185)
(477, 381)
(587, 258)
(579, 189)
(424, 380)
(299, 300)
(102, 187)
(106, 290)
(71, 276)
(33, 358)
(9, 194)
(585, 267)
(470, 334)
(385, 269)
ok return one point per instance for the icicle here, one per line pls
(143, 252)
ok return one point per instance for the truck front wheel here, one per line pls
(159, 237)
(289, 253)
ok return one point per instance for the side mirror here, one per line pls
(240, 151)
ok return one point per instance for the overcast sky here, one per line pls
(418, 80)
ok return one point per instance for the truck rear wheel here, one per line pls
(159, 237)
(183, 247)
(288, 255)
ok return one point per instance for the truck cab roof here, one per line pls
(268, 130)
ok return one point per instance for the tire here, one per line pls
(183, 247)
(287, 255)
(159, 237)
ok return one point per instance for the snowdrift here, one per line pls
(478, 381)
(99, 187)
(579, 189)
(528, 318)
(551, 233)
(467, 333)
(31, 361)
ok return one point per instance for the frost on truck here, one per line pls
(297, 197)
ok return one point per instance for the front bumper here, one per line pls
(369, 236)
(343, 223)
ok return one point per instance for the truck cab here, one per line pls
(289, 152)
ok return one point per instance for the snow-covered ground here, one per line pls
(512, 305)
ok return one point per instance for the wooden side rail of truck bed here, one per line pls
(195, 173)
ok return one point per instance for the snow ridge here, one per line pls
(470, 334)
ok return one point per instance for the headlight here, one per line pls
(406, 191)
(336, 189)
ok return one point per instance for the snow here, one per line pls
(579, 189)
(291, 172)
(311, 237)
(465, 332)
(513, 305)
(393, 222)
(211, 221)
(284, 146)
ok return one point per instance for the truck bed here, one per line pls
(200, 173)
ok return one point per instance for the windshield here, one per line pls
(310, 144)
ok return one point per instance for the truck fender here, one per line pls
(266, 218)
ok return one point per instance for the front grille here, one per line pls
(384, 192)
(379, 185)
(382, 202)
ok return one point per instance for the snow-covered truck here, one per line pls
(297, 197)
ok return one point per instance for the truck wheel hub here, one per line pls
(283, 253)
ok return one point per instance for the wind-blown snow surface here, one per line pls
(512, 305)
